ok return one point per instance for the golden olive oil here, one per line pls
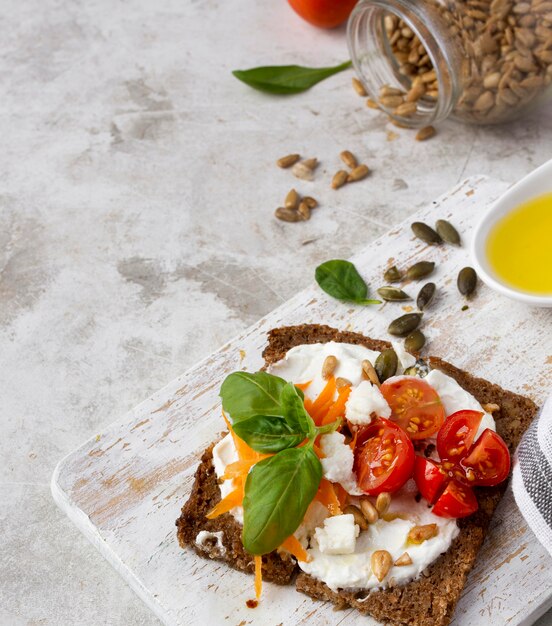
(519, 247)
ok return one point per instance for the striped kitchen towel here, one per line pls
(532, 476)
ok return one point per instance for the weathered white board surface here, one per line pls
(124, 488)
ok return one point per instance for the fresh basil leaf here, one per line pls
(245, 395)
(286, 79)
(266, 433)
(294, 412)
(278, 491)
(341, 280)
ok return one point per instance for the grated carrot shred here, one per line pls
(338, 408)
(352, 443)
(293, 546)
(325, 396)
(342, 495)
(258, 576)
(326, 496)
(303, 386)
(234, 498)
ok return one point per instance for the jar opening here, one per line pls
(400, 59)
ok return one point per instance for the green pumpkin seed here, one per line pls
(425, 296)
(415, 341)
(405, 324)
(426, 233)
(393, 294)
(386, 364)
(411, 371)
(392, 275)
(420, 270)
(467, 280)
(447, 232)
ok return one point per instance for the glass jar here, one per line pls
(481, 61)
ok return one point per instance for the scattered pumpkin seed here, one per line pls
(339, 179)
(415, 341)
(288, 160)
(467, 280)
(426, 233)
(447, 232)
(358, 173)
(292, 200)
(386, 364)
(392, 275)
(425, 296)
(405, 324)
(287, 215)
(393, 294)
(411, 371)
(465, 308)
(349, 159)
(420, 270)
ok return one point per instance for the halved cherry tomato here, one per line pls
(430, 479)
(457, 500)
(323, 13)
(415, 406)
(488, 462)
(384, 457)
(457, 434)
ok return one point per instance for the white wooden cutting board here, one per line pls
(124, 488)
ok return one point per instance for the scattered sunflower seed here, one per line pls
(426, 233)
(393, 294)
(339, 179)
(467, 281)
(405, 324)
(292, 200)
(288, 160)
(358, 173)
(420, 270)
(312, 203)
(415, 341)
(287, 215)
(359, 87)
(304, 211)
(386, 364)
(392, 275)
(302, 171)
(371, 104)
(425, 133)
(447, 232)
(349, 159)
(425, 296)
(312, 163)
(360, 520)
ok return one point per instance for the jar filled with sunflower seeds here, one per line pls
(480, 61)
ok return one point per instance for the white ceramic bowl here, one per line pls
(535, 184)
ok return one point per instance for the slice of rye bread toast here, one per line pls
(430, 600)
(427, 601)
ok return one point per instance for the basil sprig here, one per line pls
(278, 491)
(268, 413)
(286, 79)
(341, 280)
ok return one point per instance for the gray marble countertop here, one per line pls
(136, 231)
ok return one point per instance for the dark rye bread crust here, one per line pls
(205, 495)
(430, 600)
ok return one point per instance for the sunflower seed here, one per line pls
(304, 211)
(425, 296)
(329, 365)
(405, 324)
(370, 373)
(415, 341)
(386, 364)
(425, 133)
(359, 87)
(404, 559)
(425, 233)
(407, 109)
(419, 534)
(381, 562)
(447, 232)
(467, 281)
(358, 173)
(393, 294)
(288, 161)
(287, 215)
(360, 520)
(302, 171)
(420, 270)
(292, 200)
(383, 502)
(339, 179)
(311, 202)
(371, 104)
(392, 275)
(349, 159)
(369, 510)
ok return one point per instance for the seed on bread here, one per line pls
(381, 563)
(329, 365)
(369, 511)
(404, 559)
(419, 534)
(490, 407)
(382, 502)
(370, 373)
(342, 382)
(360, 520)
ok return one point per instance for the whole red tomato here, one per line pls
(323, 13)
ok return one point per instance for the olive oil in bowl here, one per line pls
(519, 247)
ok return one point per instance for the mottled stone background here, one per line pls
(136, 234)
